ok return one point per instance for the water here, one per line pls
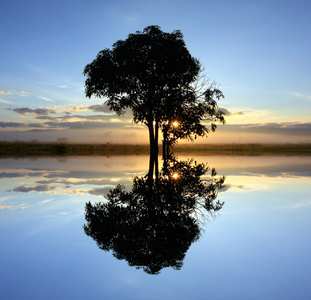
(256, 247)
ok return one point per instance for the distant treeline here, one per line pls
(23, 149)
(15, 149)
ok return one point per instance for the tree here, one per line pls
(153, 74)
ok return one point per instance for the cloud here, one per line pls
(46, 99)
(68, 109)
(99, 191)
(100, 107)
(16, 173)
(35, 188)
(22, 125)
(5, 101)
(65, 125)
(300, 95)
(86, 125)
(12, 124)
(282, 128)
(282, 173)
(76, 181)
(77, 117)
(301, 204)
(12, 92)
(35, 111)
(290, 128)
(228, 186)
(227, 113)
(11, 207)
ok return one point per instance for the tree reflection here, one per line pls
(153, 225)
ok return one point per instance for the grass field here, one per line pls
(20, 149)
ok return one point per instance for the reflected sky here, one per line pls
(258, 246)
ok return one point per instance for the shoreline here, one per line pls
(24, 149)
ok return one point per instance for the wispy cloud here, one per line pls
(243, 115)
(16, 173)
(86, 125)
(102, 192)
(102, 118)
(26, 125)
(12, 92)
(35, 111)
(100, 107)
(76, 181)
(228, 186)
(54, 125)
(67, 109)
(6, 101)
(227, 113)
(12, 124)
(11, 207)
(35, 188)
(300, 95)
(46, 99)
(301, 204)
(282, 128)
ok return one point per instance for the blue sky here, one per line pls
(257, 51)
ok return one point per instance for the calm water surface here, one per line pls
(258, 246)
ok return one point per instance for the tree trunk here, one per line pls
(153, 140)
(156, 147)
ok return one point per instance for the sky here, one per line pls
(258, 52)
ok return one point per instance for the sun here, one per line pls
(175, 124)
(175, 175)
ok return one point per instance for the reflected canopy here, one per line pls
(153, 225)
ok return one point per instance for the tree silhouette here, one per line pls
(153, 225)
(153, 74)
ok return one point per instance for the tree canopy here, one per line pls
(153, 74)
